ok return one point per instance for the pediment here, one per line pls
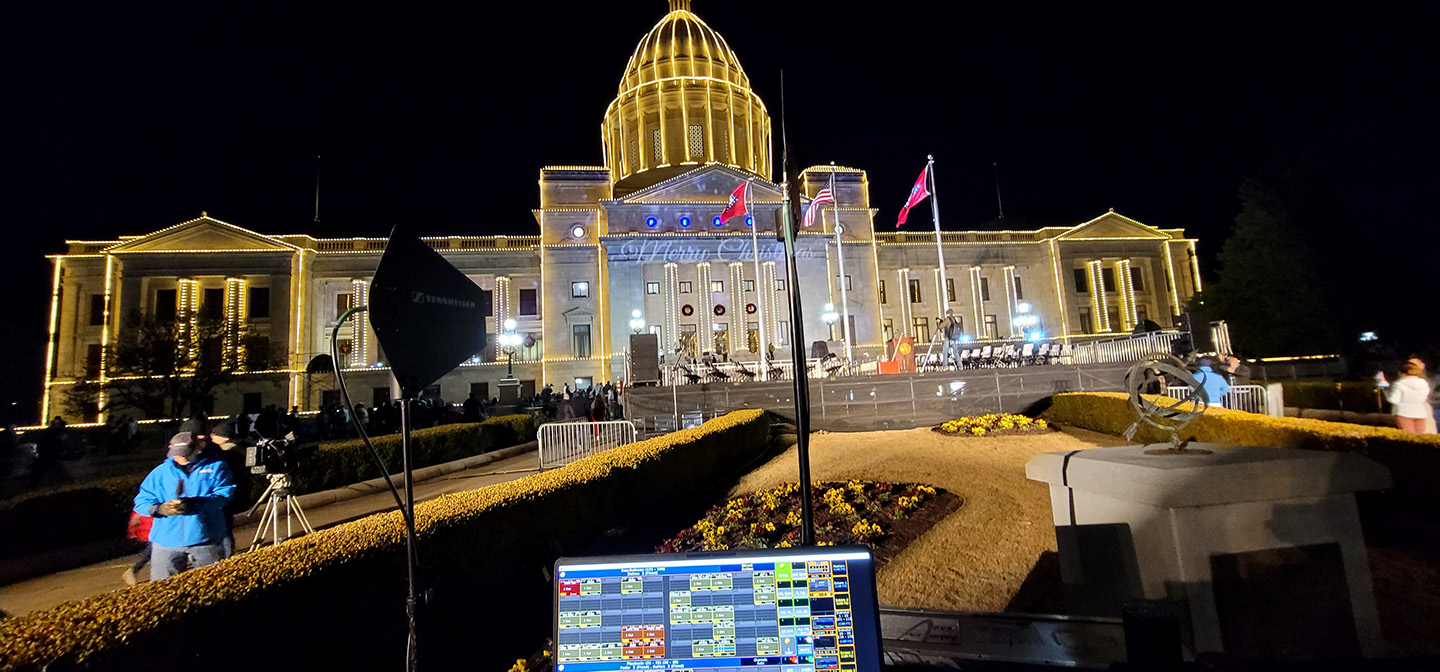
(705, 184)
(203, 234)
(1111, 226)
(579, 316)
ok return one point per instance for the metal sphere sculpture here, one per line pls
(1166, 411)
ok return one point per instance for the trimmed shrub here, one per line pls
(484, 552)
(69, 515)
(338, 464)
(1356, 397)
(1413, 459)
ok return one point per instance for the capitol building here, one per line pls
(633, 244)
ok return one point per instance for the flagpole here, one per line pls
(797, 356)
(840, 255)
(760, 292)
(939, 250)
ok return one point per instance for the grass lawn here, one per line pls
(977, 557)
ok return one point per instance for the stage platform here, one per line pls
(872, 402)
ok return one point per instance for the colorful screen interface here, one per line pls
(779, 610)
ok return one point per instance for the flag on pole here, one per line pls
(739, 202)
(917, 193)
(825, 195)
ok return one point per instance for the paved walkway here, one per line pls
(51, 590)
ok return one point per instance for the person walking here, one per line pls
(186, 495)
(48, 450)
(139, 530)
(1409, 397)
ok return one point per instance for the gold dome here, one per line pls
(684, 100)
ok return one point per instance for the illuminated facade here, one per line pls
(639, 233)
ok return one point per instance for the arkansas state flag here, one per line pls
(739, 202)
(917, 193)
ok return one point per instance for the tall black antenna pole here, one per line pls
(317, 188)
(789, 215)
(998, 202)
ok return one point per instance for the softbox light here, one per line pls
(428, 316)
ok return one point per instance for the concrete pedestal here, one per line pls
(1263, 546)
(509, 389)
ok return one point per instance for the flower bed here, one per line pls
(992, 424)
(877, 514)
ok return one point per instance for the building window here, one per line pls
(257, 354)
(1141, 314)
(214, 306)
(889, 328)
(258, 305)
(685, 287)
(1114, 314)
(779, 285)
(634, 155)
(697, 140)
(580, 340)
(847, 283)
(579, 290)
(1080, 282)
(92, 360)
(992, 327)
(97, 309)
(1087, 325)
(717, 286)
(652, 288)
(659, 145)
(165, 305)
(529, 302)
(984, 289)
(882, 295)
(922, 329)
(1019, 291)
(949, 289)
(342, 304)
(784, 333)
(749, 285)
(914, 291)
(1109, 278)
(1137, 283)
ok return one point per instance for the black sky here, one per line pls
(123, 119)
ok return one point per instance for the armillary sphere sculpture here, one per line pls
(1172, 417)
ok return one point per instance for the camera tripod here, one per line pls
(279, 489)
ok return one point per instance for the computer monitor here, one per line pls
(769, 610)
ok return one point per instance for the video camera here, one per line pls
(277, 455)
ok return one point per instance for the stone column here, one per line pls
(670, 321)
(1099, 310)
(1009, 272)
(705, 329)
(977, 303)
(907, 324)
(739, 336)
(359, 352)
(1128, 315)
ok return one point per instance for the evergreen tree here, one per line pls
(1271, 289)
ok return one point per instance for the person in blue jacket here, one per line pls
(1216, 387)
(186, 495)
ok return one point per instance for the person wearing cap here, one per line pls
(1215, 385)
(186, 495)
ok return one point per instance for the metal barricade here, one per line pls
(564, 442)
(1248, 398)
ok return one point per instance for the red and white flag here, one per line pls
(825, 195)
(739, 202)
(917, 193)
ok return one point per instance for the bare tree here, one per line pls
(170, 369)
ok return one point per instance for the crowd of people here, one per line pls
(595, 403)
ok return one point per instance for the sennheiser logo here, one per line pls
(422, 297)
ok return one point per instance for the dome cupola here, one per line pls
(684, 100)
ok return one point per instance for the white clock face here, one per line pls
(578, 232)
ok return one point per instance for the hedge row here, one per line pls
(69, 515)
(1357, 397)
(1413, 459)
(338, 464)
(485, 554)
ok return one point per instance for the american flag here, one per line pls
(825, 195)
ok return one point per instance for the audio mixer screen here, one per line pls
(778, 610)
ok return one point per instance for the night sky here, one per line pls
(119, 119)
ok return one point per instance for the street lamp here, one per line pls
(637, 323)
(509, 342)
(830, 317)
